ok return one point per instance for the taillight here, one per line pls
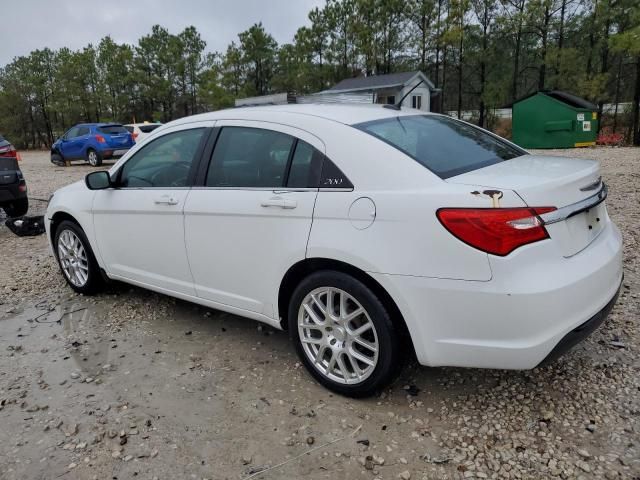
(100, 139)
(134, 135)
(498, 231)
(8, 151)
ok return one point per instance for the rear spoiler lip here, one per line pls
(569, 211)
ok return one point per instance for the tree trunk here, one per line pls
(616, 98)
(543, 65)
(592, 39)
(516, 63)
(437, 66)
(636, 106)
(460, 59)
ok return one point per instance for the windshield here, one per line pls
(112, 129)
(442, 144)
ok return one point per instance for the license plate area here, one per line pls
(577, 232)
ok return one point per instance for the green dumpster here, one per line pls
(554, 119)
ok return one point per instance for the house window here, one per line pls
(391, 100)
(416, 101)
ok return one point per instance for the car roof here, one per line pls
(142, 124)
(347, 114)
(102, 124)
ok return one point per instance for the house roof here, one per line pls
(376, 82)
(564, 97)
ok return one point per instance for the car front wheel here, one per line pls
(343, 334)
(77, 262)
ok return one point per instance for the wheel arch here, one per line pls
(57, 219)
(305, 267)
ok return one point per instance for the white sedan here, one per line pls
(367, 232)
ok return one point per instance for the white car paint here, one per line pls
(463, 307)
(139, 130)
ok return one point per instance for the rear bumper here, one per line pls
(114, 152)
(11, 193)
(535, 299)
(576, 335)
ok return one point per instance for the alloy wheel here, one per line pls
(73, 258)
(93, 158)
(338, 335)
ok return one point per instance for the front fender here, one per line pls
(75, 201)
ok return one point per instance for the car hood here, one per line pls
(73, 187)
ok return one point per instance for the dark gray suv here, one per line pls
(13, 187)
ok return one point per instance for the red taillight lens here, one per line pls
(498, 231)
(100, 139)
(8, 151)
(134, 135)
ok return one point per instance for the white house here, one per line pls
(387, 89)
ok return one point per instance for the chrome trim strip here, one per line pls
(592, 186)
(575, 208)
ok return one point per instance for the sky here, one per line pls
(31, 24)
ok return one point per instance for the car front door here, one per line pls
(139, 224)
(248, 218)
(68, 146)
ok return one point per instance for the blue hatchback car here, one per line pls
(92, 142)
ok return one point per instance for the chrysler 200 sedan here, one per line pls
(366, 232)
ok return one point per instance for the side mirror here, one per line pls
(98, 180)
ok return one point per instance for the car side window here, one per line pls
(82, 131)
(72, 133)
(165, 162)
(249, 158)
(306, 166)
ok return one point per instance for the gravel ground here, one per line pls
(134, 384)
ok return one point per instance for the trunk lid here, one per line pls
(8, 170)
(545, 181)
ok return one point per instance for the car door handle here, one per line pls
(165, 200)
(279, 202)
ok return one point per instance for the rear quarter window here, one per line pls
(442, 144)
(112, 129)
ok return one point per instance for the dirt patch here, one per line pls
(131, 384)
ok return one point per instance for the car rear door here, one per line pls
(139, 225)
(248, 218)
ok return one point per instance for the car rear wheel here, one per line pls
(94, 158)
(17, 208)
(76, 259)
(343, 334)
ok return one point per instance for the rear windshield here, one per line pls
(442, 144)
(112, 129)
(148, 128)
(129, 128)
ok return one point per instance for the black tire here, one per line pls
(17, 208)
(389, 360)
(57, 159)
(94, 281)
(93, 157)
